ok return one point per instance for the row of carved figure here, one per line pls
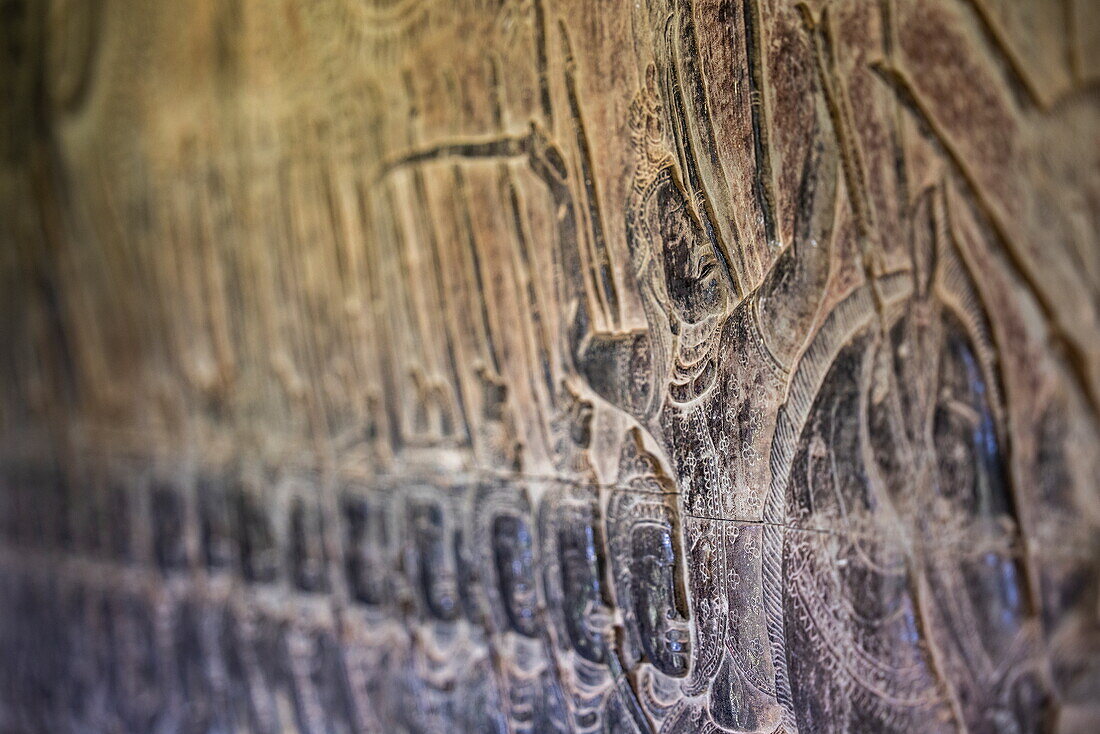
(530, 605)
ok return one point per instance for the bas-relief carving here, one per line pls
(899, 503)
(686, 375)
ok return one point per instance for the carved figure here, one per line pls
(893, 621)
(705, 379)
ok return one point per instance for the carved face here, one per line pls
(215, 528)
(307, 552)
(693, 277)
(515, 566)
(580, 571)
(258, 551)
(662, 628)
(436, 569)
(365, 531)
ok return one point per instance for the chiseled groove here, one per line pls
(764, 178)
(608, 292)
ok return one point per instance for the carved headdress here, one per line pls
(653, 167)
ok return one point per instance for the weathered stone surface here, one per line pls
(550, 366)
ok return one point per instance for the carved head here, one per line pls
(513, 556)
(365, 540)
(435, 568)
(674, 260)
(579, 551)
(308, 562)
(573, 563)
(257, 547)
(662, 634)
(670, 247)
(503, 544)
(692, 277)
(646, 559)
(574, 417)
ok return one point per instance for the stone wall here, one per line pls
(550, 366)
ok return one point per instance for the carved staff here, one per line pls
(473, 263)
(452, 345)
(383, 333)
(607, 294)
(537, 344)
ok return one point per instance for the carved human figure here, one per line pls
(434, 574)
(573, 568)
(195, 705)
(953, 486)
(166, 510)
(257, 551)
(366, 537)
(911, 613)
(307, 558)
(447, 667)
(216, 525)
(376, 644)
(647, 564)
(517, 625)
(705, 378)
(137, 690)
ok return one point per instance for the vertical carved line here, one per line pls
(897, 132)
(541, 63)
(474, 266)
(1012, 60)
(821, 39)
(469, 236)
(764, 181)
(368, 204)
(420, 193)
(536, 345)
(601, 258)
